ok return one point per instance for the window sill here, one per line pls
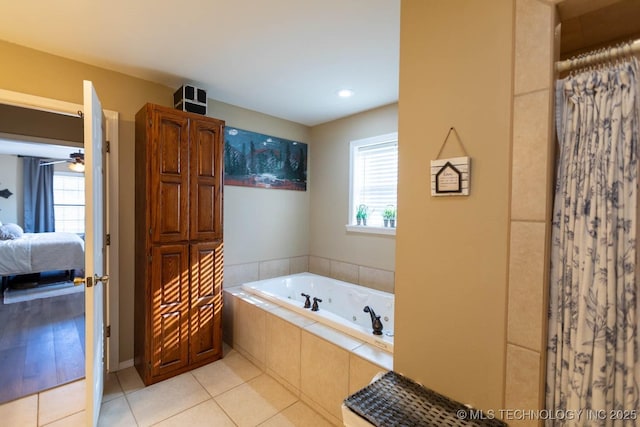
(369, 229)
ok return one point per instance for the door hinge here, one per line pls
(107, 146)
(149, 365)
(150, 258)
(107, 239)
(108, 331)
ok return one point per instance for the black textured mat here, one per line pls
(394, 400)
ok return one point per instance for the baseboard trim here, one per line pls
(126, 364)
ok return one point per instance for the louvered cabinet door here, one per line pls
(169, 323)
(169, 176)
(206, 143)
(205, 339)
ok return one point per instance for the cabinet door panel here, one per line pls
(169, 178)
(206, 180)
(206, 301)
(169, 308)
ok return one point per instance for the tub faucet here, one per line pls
(376, 324)
(315, 304)
(307, 303)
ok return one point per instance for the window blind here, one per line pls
(375, 179)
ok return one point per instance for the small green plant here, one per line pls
(389, 212)
(362, 214)
(389, 216)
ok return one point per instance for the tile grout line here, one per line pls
(126, 399)
(224, 412)
(213, 399)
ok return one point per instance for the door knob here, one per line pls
(90, 280)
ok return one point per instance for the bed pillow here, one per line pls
(10, 232)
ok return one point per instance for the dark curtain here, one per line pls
(38, 196)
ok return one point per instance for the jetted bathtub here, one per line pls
(342, 305)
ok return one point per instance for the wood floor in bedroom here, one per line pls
(41, 344)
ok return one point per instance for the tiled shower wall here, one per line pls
(531, 187)
(375, 278)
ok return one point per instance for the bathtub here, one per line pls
(341, 307)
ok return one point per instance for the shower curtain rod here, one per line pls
(599, 55)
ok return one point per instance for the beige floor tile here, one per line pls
(112, 389)
(116, 413)
(79, 419)
(165, 399)
(297, 415)
(61, 402)
(205, 414)
(20, 413)
(129, 379)
(224, 374)
(255, 401)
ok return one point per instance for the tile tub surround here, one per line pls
(316, 363)
(375, 278)
(236, 274)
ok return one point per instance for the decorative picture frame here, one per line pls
(257, 160)
(452, 176)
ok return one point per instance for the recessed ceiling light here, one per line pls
(345, 93)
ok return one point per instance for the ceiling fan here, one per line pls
(75, 160)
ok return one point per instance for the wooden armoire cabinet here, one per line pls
(178, 241)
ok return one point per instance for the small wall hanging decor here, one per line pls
(452, 176)
(256, 160)
(5, 193)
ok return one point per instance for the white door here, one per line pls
(94, 252)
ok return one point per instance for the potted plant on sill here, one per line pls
(389, 216)
(362, 214)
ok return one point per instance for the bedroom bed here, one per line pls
(40, 252)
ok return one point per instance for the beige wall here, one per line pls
(486, 345)
(263, 224)
(330, 191)
(451, 252)
(50, 128)
(11, 179)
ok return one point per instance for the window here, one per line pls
(374, 177)
(68, 201)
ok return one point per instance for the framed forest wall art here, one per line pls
(256, 160)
